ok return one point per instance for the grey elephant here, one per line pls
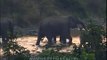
(6, 29)
(58, 26)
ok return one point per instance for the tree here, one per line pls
(93, 36)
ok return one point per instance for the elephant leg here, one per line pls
(39, 39)
(49, 41)
(63, 39)
(70, 40)
(64, 35)
(54, 39)
(5, 38)
(4, 41)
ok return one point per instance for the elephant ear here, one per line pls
(75, 23)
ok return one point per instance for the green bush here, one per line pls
(17, 52)
(52, 53)
(87, 56)
(21, 57)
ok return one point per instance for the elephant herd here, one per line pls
(49, 27)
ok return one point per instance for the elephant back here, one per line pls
(55, 20)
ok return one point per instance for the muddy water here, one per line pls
(29, 42)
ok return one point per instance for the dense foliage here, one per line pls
(12, 51)
(93, 42)
(28, 12)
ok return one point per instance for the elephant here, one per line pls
(58, 26)
(6, 29)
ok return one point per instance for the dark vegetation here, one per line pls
(28, 13)
(94, 38)
(13, 51)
